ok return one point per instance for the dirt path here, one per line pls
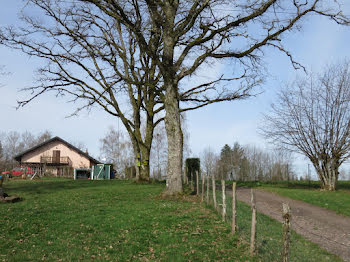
(321, 226)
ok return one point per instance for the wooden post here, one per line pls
(286, 215)
(234, 226)
(223, 200)
(203, 184)
(253, 227)
(197, 183)
(214, 191)
(208, 187)
(44, 169)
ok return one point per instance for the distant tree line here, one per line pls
(247, 163)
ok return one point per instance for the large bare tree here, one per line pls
(312, 117)
(182, 38)
(193, 34)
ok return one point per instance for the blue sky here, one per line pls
(318, 43)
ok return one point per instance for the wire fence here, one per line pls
(219, 195)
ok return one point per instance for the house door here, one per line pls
(56, 155)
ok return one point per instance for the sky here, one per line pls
(319, 43)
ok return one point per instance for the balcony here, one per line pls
(56, 161)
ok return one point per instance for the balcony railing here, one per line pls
(65, 160)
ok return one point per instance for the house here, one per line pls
(56, 157)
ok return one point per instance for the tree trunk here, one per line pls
(171, 103)
(327, 171)
(142, 149)
(175, 142)
(145, 169)
(137, 154)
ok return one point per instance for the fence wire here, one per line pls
(243, 221)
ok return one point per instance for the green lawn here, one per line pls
(338, 201)
(120, 221)
(109, 220)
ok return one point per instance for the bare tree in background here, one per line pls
(186, 136)
(43, 137)
(180, 38)
(14, 143)
(12, 146)
(159, 152)
(80, 145)
(116, 148)
(249, 163)
(209, 161)
(312, 117)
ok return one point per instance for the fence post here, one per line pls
(223, 200)
(197, 183)
(208, 187)
(234, 208)
(203, 184)
(214, 191)
(286, 215)
(253, 227)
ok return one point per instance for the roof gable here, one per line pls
(56, 138)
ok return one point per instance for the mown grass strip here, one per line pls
(338, 201)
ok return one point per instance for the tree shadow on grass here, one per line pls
(45, 186)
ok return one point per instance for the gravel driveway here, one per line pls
(321, 226)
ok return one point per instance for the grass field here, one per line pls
(65, 220)
(338, 201)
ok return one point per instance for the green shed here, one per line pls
(102, 171)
